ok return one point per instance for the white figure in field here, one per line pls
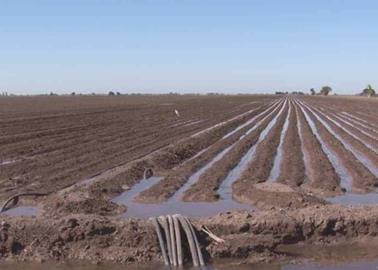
(177, 113)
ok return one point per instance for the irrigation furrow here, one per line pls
(359, 120)
(361, 153)
(350, 138)
(205, 189)
(319, 170)
(180, 175)
(356, 130)
(275, 172)
(291, 163)
(355, 173)
(259, 166)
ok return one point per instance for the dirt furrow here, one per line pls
(292, 170)
(363, 152)
(319, 170)
(362, 179)
(175, 179)
(356, 130)
(205, 189)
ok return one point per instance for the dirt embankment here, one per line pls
(292, 170)
(363, 179)
(322, 177)
(205, 189)
(248, 236)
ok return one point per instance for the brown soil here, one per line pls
(177, 177)
(321, 174)
(254, 235)
(275, 195)
(355, 129)
(205, 189)
(359, 146)
(363, 179)
(259, 168)
(62, 140)
(292, 171)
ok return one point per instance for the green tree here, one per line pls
(368, 91)
(325, 90)
(313, 93)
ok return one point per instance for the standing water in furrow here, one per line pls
(206, 187)
(320, 174)
(350, 138)
(360, 157)
(292, 169)
(179, 175)
(357, 131)
(278, 158)
(345, 178)
(257, 162)
(360, 124)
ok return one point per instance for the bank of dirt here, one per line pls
(248, 235)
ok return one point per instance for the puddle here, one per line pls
(29, 211)
(225, 189)
(360, 157)
(194, 178)
(174, 205)
(345, 179)
(355, 199)
(129, 195)
(275, 172)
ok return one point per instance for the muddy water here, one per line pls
(28, 211)
(275, 172)
(345, 178)
(355, 199)
(225, 189)
(174, 205)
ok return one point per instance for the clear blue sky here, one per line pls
(187, 45)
